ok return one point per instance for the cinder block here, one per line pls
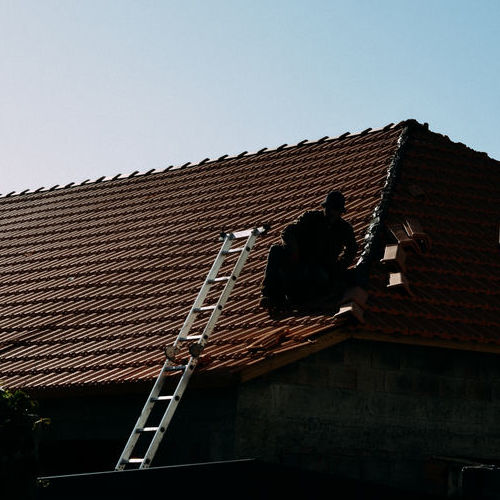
(332, 355)
(357, 353)
(314, 375)
(398, 383)
(371, 379)
(425, 384)
(495, 391)
(451, 388)
(386, 356)
(477, 389)
(432, 361)
(343, 377)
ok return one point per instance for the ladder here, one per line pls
(171, 401)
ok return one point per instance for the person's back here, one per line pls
(311, 232)
(324, 247)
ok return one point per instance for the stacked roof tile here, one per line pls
(97, 278)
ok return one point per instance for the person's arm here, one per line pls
(350, 247)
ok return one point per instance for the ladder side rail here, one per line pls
(143, 417)
(212, 274)
(158, 385)
(155, 442)
(227, 289)
(188, 369)
(169, 413)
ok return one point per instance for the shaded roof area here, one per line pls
(454, 194)
(98, 278)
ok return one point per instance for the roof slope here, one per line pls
(98, 278)
(454, 192)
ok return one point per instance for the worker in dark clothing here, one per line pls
(283, 272)
(310, 267)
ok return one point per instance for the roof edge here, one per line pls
(265, 150)
(335, 337)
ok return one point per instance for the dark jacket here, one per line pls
(330, 245)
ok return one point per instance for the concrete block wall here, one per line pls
(389, 413)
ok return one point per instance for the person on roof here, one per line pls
(309, 268)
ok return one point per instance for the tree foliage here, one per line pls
(18, 444)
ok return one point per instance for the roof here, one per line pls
(97, 278)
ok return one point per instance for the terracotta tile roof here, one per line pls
(453, 192)
(97, 278)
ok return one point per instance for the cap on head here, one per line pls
(335, 200)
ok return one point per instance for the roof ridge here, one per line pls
(137, 173)
(373, 231)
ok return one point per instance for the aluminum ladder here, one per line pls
(171, 401)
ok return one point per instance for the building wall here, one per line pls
(88, 433)
(385, 413)
(389, 413)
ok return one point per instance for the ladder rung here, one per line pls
(195, 348)
(191, 337)
(204, 308)
(161, 398)
(217, 280)
(233, 250)
(175, 368)
(247, 232)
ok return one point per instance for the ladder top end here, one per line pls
(262, 229)
(243, 234)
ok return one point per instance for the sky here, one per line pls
(95, 88)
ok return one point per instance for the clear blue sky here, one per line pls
(100, 87)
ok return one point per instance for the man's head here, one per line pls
(334, 205)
